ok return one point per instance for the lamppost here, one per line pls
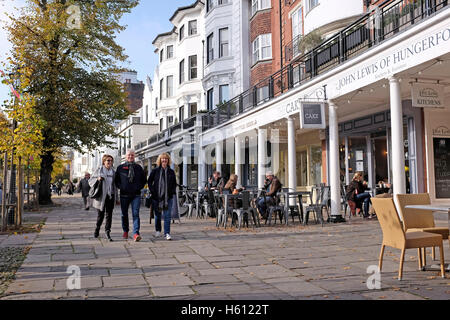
(12, 187)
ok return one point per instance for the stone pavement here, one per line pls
(203, 262)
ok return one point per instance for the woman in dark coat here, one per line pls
(356, 193)
(162, 186)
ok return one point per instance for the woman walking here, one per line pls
(105, 203)
(162, 186)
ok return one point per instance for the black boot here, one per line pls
(96, 233)
(108, 236)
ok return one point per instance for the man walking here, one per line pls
(84, 187)
(130, 180)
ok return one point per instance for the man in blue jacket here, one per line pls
(130, 180)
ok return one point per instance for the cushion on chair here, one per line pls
(422, 239)
(444, 232)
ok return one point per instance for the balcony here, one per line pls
(181, 127)
(376, 26)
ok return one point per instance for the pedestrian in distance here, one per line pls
(70, 188)
(130, 180)
(59, 186)
(105, 203)
(84, 187)
(162, 185)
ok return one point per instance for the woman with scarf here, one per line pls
(162, 186)
(105, 203)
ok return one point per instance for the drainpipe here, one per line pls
(281, 37)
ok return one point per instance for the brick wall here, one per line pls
(135, 95)
(261, 23)
(260, 71)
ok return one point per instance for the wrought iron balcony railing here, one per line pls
(376, 26)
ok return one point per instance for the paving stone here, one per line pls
(391, 295)
(269, 271)
(221, 271)
(156, 262)
(85, 283)
(172, 291)
(30, 286)
(207, 250)
(169, 280)
(296, 287)
(123, 281)
(127, 293)
(120, 271)
(184, 258)
(225, 278)
(224, 288)
(201, 265)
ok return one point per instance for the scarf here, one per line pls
(162, 189)
(109, 175)
(130, 171)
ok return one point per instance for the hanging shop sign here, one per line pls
(312, 115)
(427, 95)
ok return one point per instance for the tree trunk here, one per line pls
(45, 196)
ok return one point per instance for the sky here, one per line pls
(144, 23)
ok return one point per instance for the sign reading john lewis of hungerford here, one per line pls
(312, 116)
(413, 51)
(427, 95)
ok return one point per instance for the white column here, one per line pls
(292, 162)
(238, 160)
(219, 155)
(201, 167)
(185, 169)
(334, 162)
(262, 159)
(398, 155)
(347, 176)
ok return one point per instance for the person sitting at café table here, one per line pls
(231, 184)
(356, 193)
(215, 182)
(271, 186)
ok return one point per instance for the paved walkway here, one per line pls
(203, 262)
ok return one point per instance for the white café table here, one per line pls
(434, 208)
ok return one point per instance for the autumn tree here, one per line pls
(71, 57)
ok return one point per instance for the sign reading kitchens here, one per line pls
(427, 95)
(312, 115)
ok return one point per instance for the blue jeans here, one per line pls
(135, 205)
(365, 199)
(167, 216)
(261, 204)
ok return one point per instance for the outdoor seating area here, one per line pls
(241, 210)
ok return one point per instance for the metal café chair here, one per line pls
(315, 206)
(243, 212)
(277, 208)
(295, 210)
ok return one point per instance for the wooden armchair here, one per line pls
(419, 220)
(394, 235)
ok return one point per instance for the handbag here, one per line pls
(148, 201)
(96, 191)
